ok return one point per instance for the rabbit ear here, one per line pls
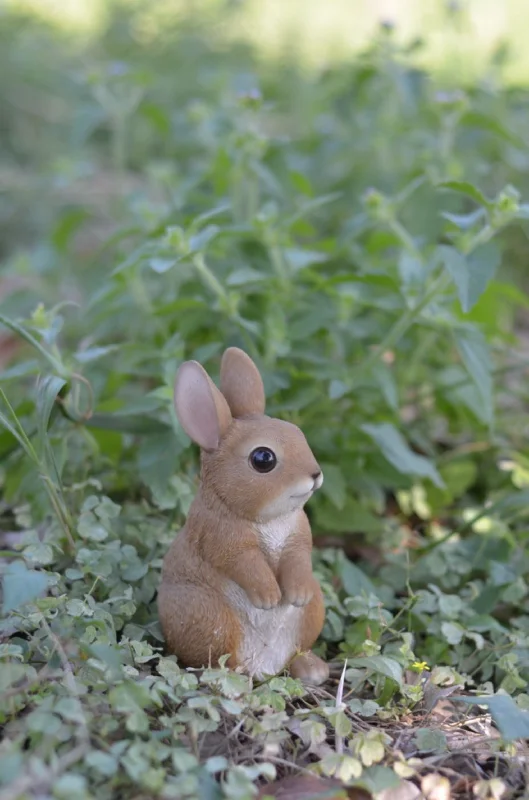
(201, 409)
(241, 384)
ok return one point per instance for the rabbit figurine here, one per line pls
(238, 577)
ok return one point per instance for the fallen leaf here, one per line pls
(435, 787)
(406, 790)
(493, 789)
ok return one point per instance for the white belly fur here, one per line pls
(270, 637)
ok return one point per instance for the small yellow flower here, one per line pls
(420, 666)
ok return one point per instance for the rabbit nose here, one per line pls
(317, 477)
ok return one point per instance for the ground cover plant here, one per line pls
(361, 232)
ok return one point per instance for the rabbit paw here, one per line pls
(265, 597)
(298, 592)
(309, 668)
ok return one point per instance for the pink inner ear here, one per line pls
(195, 406)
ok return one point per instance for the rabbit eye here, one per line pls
(263, 459)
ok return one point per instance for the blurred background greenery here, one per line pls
(461, 35)
(314, 179)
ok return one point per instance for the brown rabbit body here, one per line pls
(238, 577)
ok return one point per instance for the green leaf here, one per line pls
(364, 708)
(216, 764)
(354, 581)
(104, 763)
(453, 632)
(17, 328)
(351, 518)
(467, 189)
(16, 430)
(70, 785)
(383, 665)
(433, 741)
(39, 553)
(22, 585)
(157, 115)
(78, 608)
(11, 766)
(471, 274)
(67, 225)
(459, 476)
(161, 265)
(209, 788)
(474, 352)
(378, 778)
(244, 276)
(200, 240)
(47, 391)
(397, 452)
(301, 182)
(464, 221)
(512, 722)
(301, 259)
(334, 485)
(90, 529)
(371, 752)
(385, 380)
(12, 673)
(128, 423)
(493, 124)
(342, 724)
(108, 654)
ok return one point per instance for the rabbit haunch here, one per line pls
(238, 577)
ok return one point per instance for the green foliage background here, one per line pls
(360, 231)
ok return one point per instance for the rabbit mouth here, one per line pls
(317, 482)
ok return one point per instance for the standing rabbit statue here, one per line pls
(238, 577)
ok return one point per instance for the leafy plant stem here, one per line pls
(57, 503)
(406, 240)
(467, 526)
(403, 324)
(208, 278)
(54, 362)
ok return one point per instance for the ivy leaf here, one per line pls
(378, 778)
(430, 740)
(381, 664)
(354, 581)
(22, 585)
(371, 752)
(453, 632)
(342, 723)
(12, 672)
(104, 763)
